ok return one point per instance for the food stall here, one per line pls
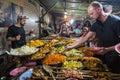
(51, 26)
(47, 59)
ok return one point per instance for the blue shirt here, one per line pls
(78, 32)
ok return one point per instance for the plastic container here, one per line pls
(117, 48)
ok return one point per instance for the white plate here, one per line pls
(117, 48)
(26, 74)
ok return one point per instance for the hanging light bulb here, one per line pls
(65, 12)
(65, 16)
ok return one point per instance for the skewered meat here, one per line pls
(76, 74)
(38, 74)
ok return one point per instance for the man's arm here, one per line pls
(14, 38)
(11, 38)
(104, 50)
(111, 48)
(81, 40)
(61, 30)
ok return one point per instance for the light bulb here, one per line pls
(65, 12)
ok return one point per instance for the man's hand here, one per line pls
(69, 47)
(18, 37)
(73, 45)
(102, 51)
(32, 31)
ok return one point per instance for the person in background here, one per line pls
(32, 34)
(63, 30)
(44, 30)
(87, 22)
(50, 29)
(107, 29)
(77, 31)
(86, 27)
(107, 8)
(57, 30)
(16, 33)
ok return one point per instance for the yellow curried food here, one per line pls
(35, 43)
(38, 55)
(92, 62)
(88, 53)
(72, 64)
(47, 48)
(82, 48)
(70, 41)
(54, 59)
(60, 49)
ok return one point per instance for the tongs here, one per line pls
(49, 70)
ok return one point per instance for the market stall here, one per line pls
(48, 60)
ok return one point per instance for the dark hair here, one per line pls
(79, 24)
(21, 17)
(107, 7)
(87, 24)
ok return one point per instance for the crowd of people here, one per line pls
(78, 29)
